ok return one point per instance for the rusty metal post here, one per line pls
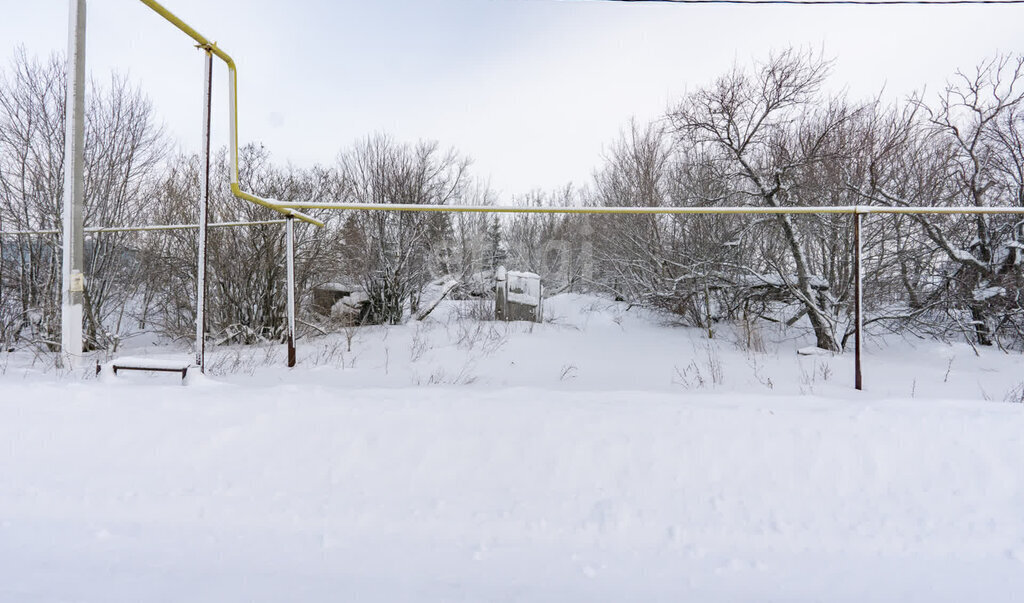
(290, 262)
(858, 299)
(204, 217)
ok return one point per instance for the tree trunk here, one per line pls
(819, 322)
(982, 322)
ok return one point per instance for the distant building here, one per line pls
(518, 296)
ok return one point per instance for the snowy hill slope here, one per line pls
(588, 343)
(636, 474)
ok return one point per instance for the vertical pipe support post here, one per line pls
(204, 216)
(73, 243)
(858, 298)
(290, 252)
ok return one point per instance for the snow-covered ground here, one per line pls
(604, 456)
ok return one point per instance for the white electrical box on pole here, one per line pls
(72, 276)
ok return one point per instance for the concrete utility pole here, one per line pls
(73, 281)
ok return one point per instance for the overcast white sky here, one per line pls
(532, 90)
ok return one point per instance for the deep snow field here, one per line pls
(602, 456)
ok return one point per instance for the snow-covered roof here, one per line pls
(511, 274)
(524, 288)
(340, 286)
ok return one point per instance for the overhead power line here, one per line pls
(832, 2)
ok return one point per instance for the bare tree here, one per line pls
(31, 183)
(556, 247)
(125, 150)
(395, 253)
(124, 147)
(968, 152)
(246, 278)
(764, 130)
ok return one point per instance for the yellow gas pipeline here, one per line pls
(209, 46)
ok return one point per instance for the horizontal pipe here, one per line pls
(156, 227)
(963, 210)
(590, 209)
(206, 44)
(238, 192)
(578, 209)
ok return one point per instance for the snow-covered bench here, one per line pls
(159, 365)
